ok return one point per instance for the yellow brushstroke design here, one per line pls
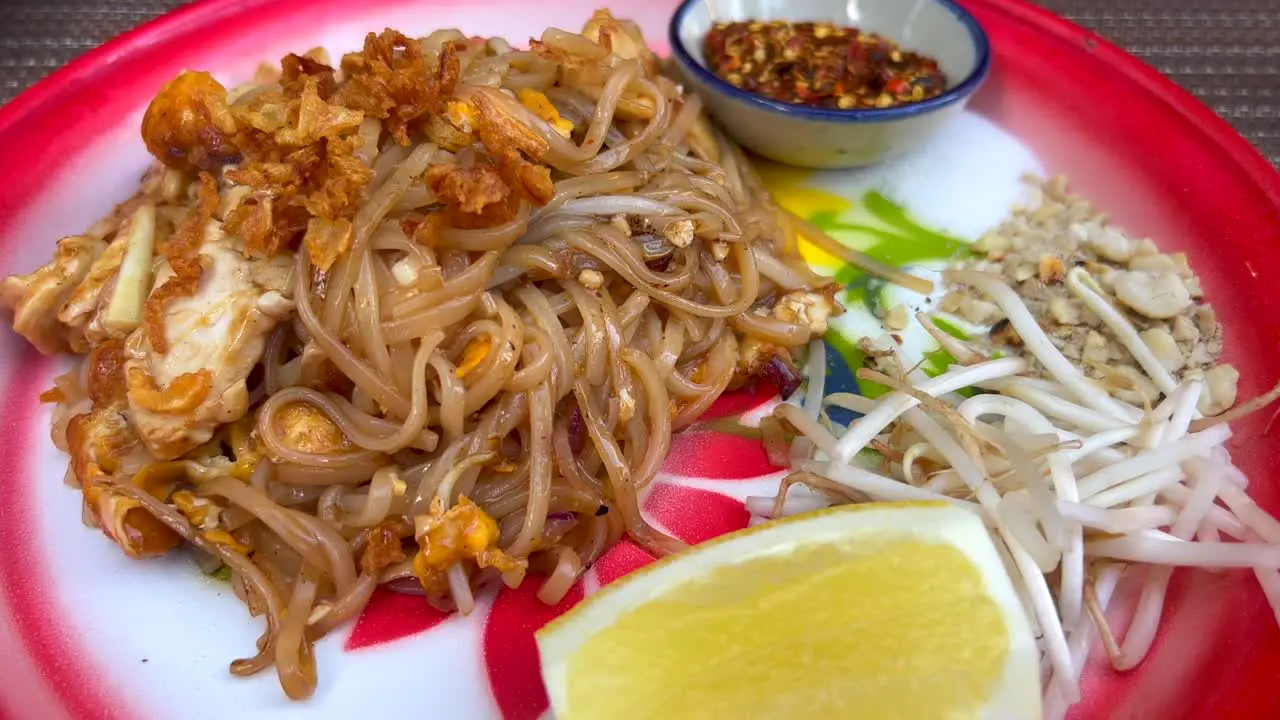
(790, 189)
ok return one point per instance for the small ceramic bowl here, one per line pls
(830, 138)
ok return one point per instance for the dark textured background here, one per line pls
(1226, 52)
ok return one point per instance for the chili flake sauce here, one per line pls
(820, 64)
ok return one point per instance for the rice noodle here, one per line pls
(484, 323)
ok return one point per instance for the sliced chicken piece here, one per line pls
(35, 299)
(79, 309)
(179, 398)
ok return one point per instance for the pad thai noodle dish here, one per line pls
(426, 317)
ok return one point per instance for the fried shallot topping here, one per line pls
(468, 189)
(383, 548)
(106, 380)
(397, 87)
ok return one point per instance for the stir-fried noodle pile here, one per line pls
(426, 320)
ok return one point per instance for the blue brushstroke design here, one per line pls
(840, 378)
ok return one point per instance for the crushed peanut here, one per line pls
(620, 221)
(591, 279)
(897, 317)
(1158, 293)
(680, 233)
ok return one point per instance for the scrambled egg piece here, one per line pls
(202, 512)
(461, 115)
(215, 336)
(98, 441)
(453, 129)
(472, 355)
(224, 538)
(463, 532)
(538, 103)
(307, 429)
(159, 479)
(138, 533)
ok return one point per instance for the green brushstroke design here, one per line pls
(884, 231)
(854, 358)
(937, 361)
(878, 227)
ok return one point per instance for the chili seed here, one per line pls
(820, 64)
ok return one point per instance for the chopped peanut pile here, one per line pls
(1158, 293)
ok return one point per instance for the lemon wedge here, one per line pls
(881, 610)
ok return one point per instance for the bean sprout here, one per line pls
(1073, 483)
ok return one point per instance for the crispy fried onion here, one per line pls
(469, 189)
(323, 180)
(296, 70)
(383, 546)
(514, 144)
(397, 87)
(327, 240)
(318, 119)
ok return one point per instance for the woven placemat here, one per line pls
(1226, 52)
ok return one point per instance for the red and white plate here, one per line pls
(87, 633)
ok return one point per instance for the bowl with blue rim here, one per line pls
(813, 136)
